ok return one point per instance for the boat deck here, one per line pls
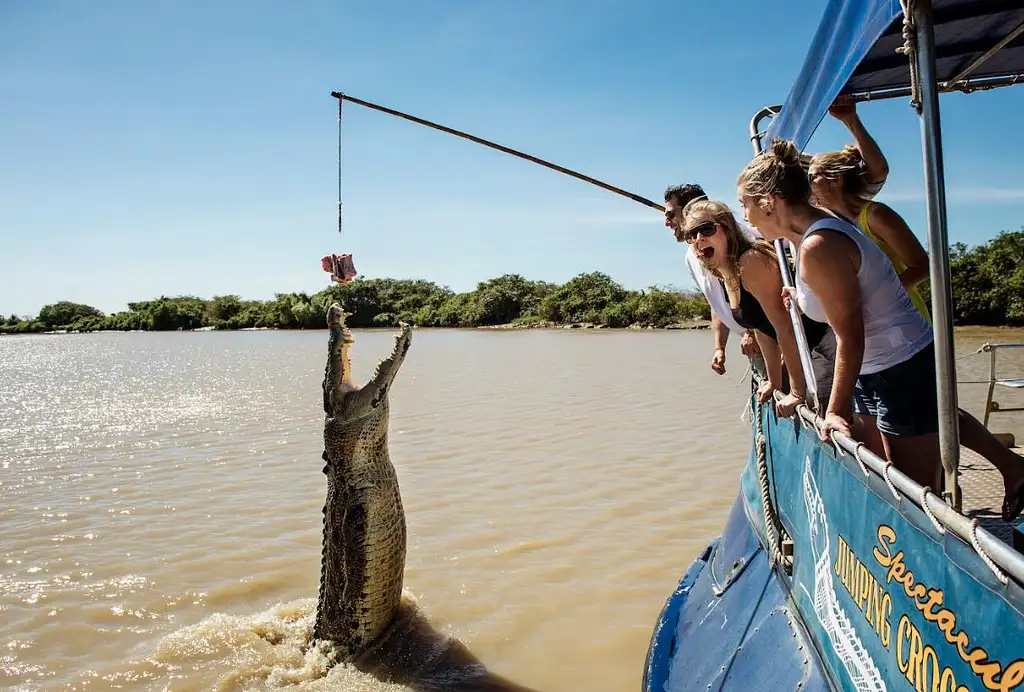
(982, 490)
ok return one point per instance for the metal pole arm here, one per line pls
(533, 159)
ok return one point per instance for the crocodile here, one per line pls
(364, 543)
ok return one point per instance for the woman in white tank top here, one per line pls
(885, 364)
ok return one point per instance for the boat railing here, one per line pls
(1001, 559)
(992, 406)
(756, 133)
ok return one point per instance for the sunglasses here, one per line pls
(706, 229)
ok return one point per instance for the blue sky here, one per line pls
(177, 147)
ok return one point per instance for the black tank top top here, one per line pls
(751, 315)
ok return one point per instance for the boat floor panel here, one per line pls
(982, 490)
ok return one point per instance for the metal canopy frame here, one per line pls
(979, 44)
(924, 23)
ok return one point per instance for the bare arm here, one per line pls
(721, 332)
(829, 267)
(772, 358)
(748, 344)
(875, 164)
(761, 277)
(721, 335)
(890, 227)
(877, 167)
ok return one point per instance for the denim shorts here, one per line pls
(902, 397)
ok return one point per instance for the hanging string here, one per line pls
(341, 268)
(341, 208)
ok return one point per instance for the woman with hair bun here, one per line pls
(884, 346)
(838, 183)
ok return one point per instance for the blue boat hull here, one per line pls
(877, 597)
(730, 624)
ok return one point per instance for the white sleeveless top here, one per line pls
(894, 330)
(712, 290)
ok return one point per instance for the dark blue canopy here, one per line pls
(854, 52)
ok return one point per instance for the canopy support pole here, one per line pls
(942, 300)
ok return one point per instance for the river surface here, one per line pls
(161, 495)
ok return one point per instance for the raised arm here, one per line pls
(890, 227)
(844, 110)
(772, 364)
(829, 267)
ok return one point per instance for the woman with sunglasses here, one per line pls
(748, 270)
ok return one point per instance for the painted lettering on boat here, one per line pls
(918, 661)
(929, 601)
(870, 596)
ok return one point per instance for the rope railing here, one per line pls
(774, 531)
(990, 349)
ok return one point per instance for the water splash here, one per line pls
(271, 650)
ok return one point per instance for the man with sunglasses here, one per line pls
(722, 321)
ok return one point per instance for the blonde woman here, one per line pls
(884, 345)
(838, 183)
(748, 270)
(676, 199)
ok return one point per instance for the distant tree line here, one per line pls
(987, 285)
(592, 298)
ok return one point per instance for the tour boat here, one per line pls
(834, 571)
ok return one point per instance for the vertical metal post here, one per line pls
(935, 191)
(810, 382)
